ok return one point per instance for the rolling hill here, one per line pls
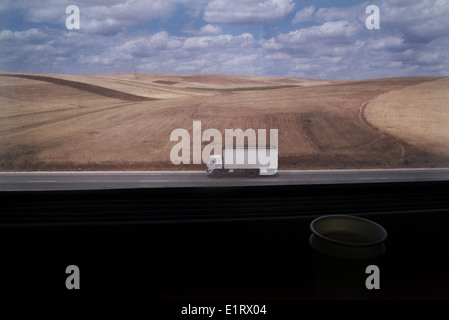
(123, 121)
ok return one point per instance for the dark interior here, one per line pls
(216, 244)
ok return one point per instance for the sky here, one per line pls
(322, 39)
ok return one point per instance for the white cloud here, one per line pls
(220, 42)
(149, 46)
(413, 38)
(389, 42)
(278, 56)
(132, 11)
(303, 15)
(330, 32)
(431, 58)
(45, 14)
(159, 52)
(245, 12)
(396, 64)
(102, 16)
(419, 21)
(31, 36)
(210, 29)
(241, 59)
(104, 27)
(206, 30)
(353, 13)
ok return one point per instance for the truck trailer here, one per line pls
(251, 161)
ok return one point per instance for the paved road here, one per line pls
(157, 179)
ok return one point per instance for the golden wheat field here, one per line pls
(123, 121)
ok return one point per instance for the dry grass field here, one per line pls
(123, 121)
(422, 121)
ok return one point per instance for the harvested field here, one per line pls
(109, 93)
(418, 115)
(124, 121)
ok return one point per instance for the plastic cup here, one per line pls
(344, 246)
(347, 237)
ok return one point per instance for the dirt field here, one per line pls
(124, 121)
(418, 115)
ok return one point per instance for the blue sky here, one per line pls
(304, 38)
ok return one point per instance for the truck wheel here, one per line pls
(217, 173)
(252, 173)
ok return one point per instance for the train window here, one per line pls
(151, 86)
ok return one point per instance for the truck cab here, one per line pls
(215, 163)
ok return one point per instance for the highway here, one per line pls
(28, 181)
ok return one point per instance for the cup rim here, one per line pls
(349, 244)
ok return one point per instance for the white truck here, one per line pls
(252, 161)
